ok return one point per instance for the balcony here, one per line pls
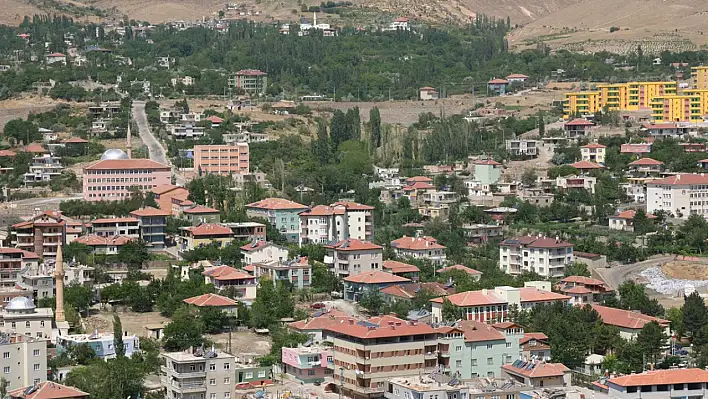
(183, 375)
(187, 387)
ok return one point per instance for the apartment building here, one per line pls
(339, 221)
(436, 203)
(702, 96)
(681, 195)
(577, 128)
(107, 227)
(152, 225)
(366, 354)
(226, 276)
(566, 183)
(308, 363)
(645, 167)
(169, 198)
(297, 272)
(358, 285)
(676, 108)
(24, 360)
(633, 96)
(538, 374)
(700, 77)
(12, 262)
(198, 214)
(261, 251)
(247, 231)
(581, 102)
(113, 179)
(629, 323)
(40, 234)
(251, 81)
(583, 290)
(184, 131)
(420, 247)
(20, 316)
(593, 152)
(479, 233)
(672, 383)
(492, 306)
(281, 213)
(425, 387)
(487, 171)
(101, 343)
(522, 147)
(44, 168)
(222, 159)
(198, 374)
(543, 255)
(351, 257)
(196, 236)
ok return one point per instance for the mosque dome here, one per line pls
(19, 304)
(114, 153)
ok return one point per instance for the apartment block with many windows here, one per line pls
(543, 255)
(222, 159)
(24, 360)
(682, 195)
(198, 374)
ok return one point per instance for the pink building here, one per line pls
(222, 159)
(112, 179)
(308, 363)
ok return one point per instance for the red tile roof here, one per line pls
(531, 294)
(353, 206)
(322, 210)
(165, 188)
(254, 246)
(579, 122)
(635, 148)
(276, 204)
(463, 268)
(415, 179)
(427, 88)
(114, 220)
(409, 291)
(540, 370)
(376, 277)
(582, 280)
(225, 273)
(25, 254)
(214, 119)
(517, 76)
(380, 327)
(578, 290)
(122, 164)
(75, 140)
(419, 185)
(586, 165)
(645, 162)
(7, 153)
(93, 240)
(662, 377)
(593, 145)
(660, 125)
(48, 390)
(149, 211)
(196, 209)
(250, 72)
(352, 244)
(210, 229)
(36, 148)
(498, 82)
(416, 243)
(56, 55)
(629, 214)
(327, 318)
(538, 336)
(399, 267)
(472, 298)
(487, 162)
(249, 268)
(476, 331)
(681, 179)
(211, 300)
(626, 318)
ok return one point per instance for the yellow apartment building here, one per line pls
(584, 102)
(702, 95)
(632, 96)
(700, 77)
(675, 108)
(614, 96)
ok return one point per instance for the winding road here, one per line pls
(155, 149)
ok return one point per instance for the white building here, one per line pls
(625, 220)
(576, 183)
(522, 147)
(339, 221)
(43, 168)
(543, 255)
(185, 81)
(681, 195)
(20, 316)
(420, 247)
(593, 152)
(400, 23)
(261, 251)
(200, 373)
(24, 360)
(186, 131)
(428, 93)
(656, 384)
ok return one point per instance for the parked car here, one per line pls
(317, 305)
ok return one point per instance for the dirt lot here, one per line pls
(20, 108)
(686, 270)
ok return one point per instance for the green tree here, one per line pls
(82, 353)
(695, 314)
(213, 318)
(375, 124)
(642, 223)
(652, 340)
(79, 296)
(372, 301)
(134, 254)
(675, 316)
(529, 177)
(323, 280)
(450, 312)
(541, 126)
(605, 338)
(186, 329)
(577, 269)
(118, 336)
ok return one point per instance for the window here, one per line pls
(41, 323)
(310, 372)
(27, 324)
(473, 362)
(458, 348)
(13, 325)
(489, 346)
(192, 367)
(261, 374)
(490, 360)
(212, 396)
(248, 375)
(227, 380)
(227, 366)
(458, 363)
(227, 395)
(212, 381)
(212, 367)
(36, 381)
(6, 355)
(508, 344)
(6, 370)
(36, 367)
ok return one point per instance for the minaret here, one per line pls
(59, 283)
(314, 20)
(128, 144)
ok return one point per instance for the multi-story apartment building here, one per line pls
(102, 344)
(681, 195)
(581, 102)
(247, 231)
(567, 183)
(676, 108)
(115, 176)
(251, 81)
(20, 316)
(702, 96)
(308, 363)
(583, 290)
(297, 272)
(425, 387)
(12, 262)
(436, 204)
(226, 276)
(184, 131)
(487, 171)
(41, 234)
(152, 226)
(523, 147)
(281, 213)
(543, 255)
(198, 374)
(366, 354)
(478, 233)
(43, 168)
(633, 96)
(492, 306)
(420, 247)
(672, 383)
(195, 236)
(199, 214)
(261, 251)
(24, 360)
(700, 77)
(169, 198)
(322, 224)
(222, 159)
(351, 257)
(593, 152)
(107, 227)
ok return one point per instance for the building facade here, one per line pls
(251, 81)
(543, 255)
(281, 213)
(222, 159)
(342, 220)
(351, 257)
(308, 363)
(12, 262)
(420, 247)
(24, 360)
(201, 374)
(152, 226)
(676, 383)
(681, 195)
(112, 179)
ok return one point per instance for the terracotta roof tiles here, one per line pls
(122, 164)
(646, 162)
(662, 377)
(196, 209)
(681, 179)
(276, 204)
(225, 273)
(540, 370)
(210, 300)
(416, 243)
(380, 327)
(149, 211)
(48, 390)
(626, 318)
(209, 229)
(463, 268)
(352, 244)
(399, 267)
(376, 277)
(586, 165)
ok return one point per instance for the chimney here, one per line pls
(484, 291)
(351, 321)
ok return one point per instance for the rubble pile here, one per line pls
(659, 282)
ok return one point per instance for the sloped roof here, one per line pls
(681, 179)
(538, 336)
(486, 162)
(114, 220)
(25, 254)
(626, 318)
(635, 148)
(165, 188)
(409, 291)
(210, 300)
(630, 214)
(645, 162)
(276, 204)
(472, 298)
(476, 331)
(463, 268)
(321, 321)
(582, 280)
(196, 209)
(400, 267)
(380, 327)
(100, 241)
(579, 122)
(594, 145)
(419, 185)
(36, 148)
(352, 244)
(48, 390)
(7, 153)
(209, 229)
(531, 294)
(120, 164)
(416, 243)
(517, 76)
(149, 211)
(586, 165)
(578, 290)
(75, 140)
(540, 370)
(225, 273)
(662, 377)
(498, 81)
(214, 119)
(376, 277)
(423, 179)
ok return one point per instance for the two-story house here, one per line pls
(351, 257)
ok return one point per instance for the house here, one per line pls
(247, 231)
(523, 147)
(428, 93)
(261, 251)
(487, 171)
(629, 323)
(204, 234)
(296, 272)
(538, 374)
(351, 257)
(55, 58)
(227, 305)
(592, 261)
(517, 78)
(281, 213)
(400, 23)
(322, 224)
(109, 245)
(315, 327)
(101, 343)
(583, 290)
(358, 285)
(420, 247)
(198, 214)
(572, 182)
(408, 291)
(226, 276)
(577, 128)
(637, 150)
(586, 166)
(535, 345)
(12, 262)
(478, 233)
(186, 131)
(475, 274)
(624, 220)
(663, 130)
(414, 191)
(113, 226)
(421, 386)
(401, 269)
(307, 364)
(152, 224)
(42, 233)
(645, 167)
(693, 147)
(47, 390)
(593, 152)
(543, 255)
(498, 86)
(44, 168)
(251, 81)
(671, 383)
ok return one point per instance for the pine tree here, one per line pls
(375, 123)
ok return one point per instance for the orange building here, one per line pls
(222, 159)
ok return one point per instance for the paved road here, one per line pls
(155, 149)
(617, 275)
